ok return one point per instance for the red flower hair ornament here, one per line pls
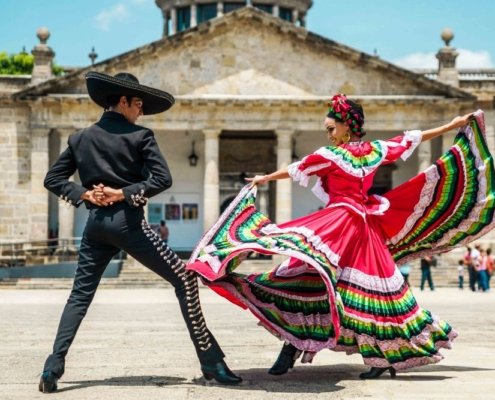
(344, 110)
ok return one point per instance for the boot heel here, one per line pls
(207, 375)
(221, 373)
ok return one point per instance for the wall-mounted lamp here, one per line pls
(193, 158)
(294, 155)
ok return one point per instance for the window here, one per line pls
(229, 6)
(285, 14)
(206, 12)
(183, 18)
(268, 8)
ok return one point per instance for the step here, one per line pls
(136, 275)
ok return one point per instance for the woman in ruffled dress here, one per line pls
(340, 287)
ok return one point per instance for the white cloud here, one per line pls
(417, 60)
(474, 59)
(466, 59)
(106, 17)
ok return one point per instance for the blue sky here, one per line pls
(402, 31)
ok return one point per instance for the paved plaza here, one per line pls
(133, 345)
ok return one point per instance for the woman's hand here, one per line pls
(463, 120)
(257, 180)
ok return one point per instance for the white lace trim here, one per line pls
(297, 175)
(413, 137)
(319, 192)
(384, 205)
(375, 283)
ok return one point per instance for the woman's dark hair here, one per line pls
(357, 107)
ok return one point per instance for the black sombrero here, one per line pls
(102, 86)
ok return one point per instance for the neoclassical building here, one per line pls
(251, 85)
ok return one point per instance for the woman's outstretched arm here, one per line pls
(457, 122)
(282, 173)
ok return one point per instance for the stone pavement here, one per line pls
(133, 345)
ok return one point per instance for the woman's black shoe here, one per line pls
(221, 373)
(48, 382)
(375, 372)
(285, 360)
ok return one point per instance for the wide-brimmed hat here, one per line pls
(101, 87)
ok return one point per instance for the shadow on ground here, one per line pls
(302, 379)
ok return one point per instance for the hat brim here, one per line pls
(101, 86)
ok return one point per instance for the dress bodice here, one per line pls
(345, 173)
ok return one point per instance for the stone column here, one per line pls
(220, 9)
(65, 211)
(38, 198)
(295, 15)
(194, 17)
(303, 20)
(276, 10)
(284, 186)
(173, 17)
(211, 205)
(424, 156)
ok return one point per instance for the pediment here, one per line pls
(249, 83)
(249, 52)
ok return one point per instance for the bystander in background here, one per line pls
(426, 264)
(460, 274)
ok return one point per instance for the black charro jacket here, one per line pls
(113, 152)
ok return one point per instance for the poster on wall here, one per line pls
(155, 213)
(189, 211)
(172, 212)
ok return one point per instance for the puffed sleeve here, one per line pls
(402, 146)
(313, 164)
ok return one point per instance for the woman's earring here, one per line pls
(347, 137)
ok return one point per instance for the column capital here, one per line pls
(285, 132)
(284, 138)
(194, 18)
(211, 133)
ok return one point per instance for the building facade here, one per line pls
(251, 87)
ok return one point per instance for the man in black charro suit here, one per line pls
(120, 166)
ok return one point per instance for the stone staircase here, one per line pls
(134, 275)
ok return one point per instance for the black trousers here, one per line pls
(120, 227)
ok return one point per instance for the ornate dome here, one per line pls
(180, 15)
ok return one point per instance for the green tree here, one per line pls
(16, 64)
(21, 64)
